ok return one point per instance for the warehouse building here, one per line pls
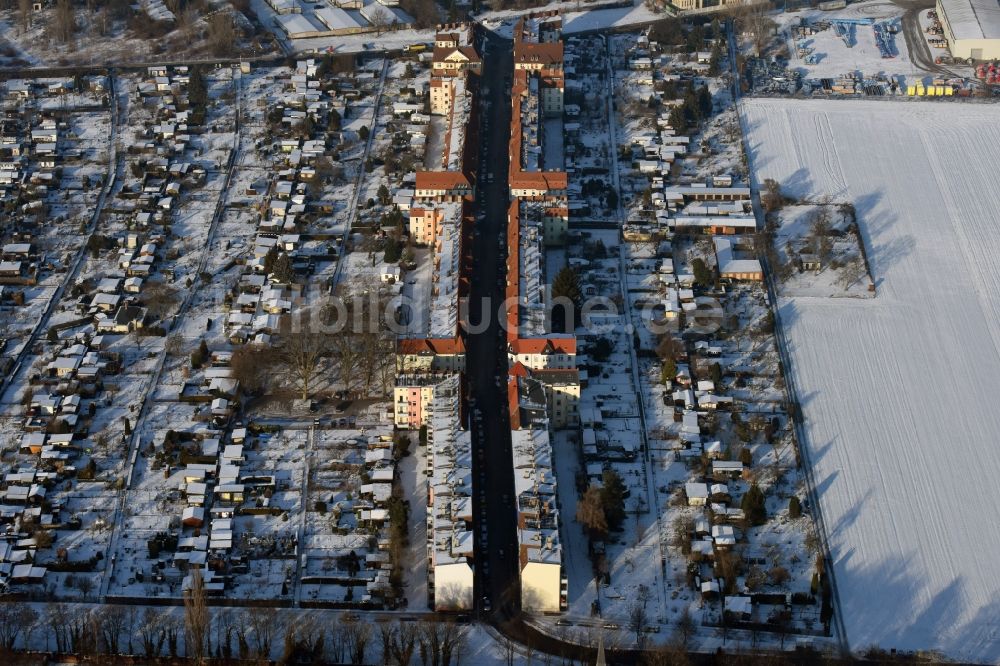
(297, 26)
(972, 28)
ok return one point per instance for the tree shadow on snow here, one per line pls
(888, 605)
(883, 246)
(799, 184)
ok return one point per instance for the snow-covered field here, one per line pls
(896, 390)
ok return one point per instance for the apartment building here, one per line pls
(543, 582)
(449, 503)
(454, 51)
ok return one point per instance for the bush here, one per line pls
(779, 575)
(602, 350)
(702, 274)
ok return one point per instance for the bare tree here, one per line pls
(590, 513)
(82, 631)
(356, 636)
(196, 619)
(752, 18)
(686, 627)
(348, 357)
(380, 19)
(430, 635)
(386, 363)
(15, 620)
(221, 33)
(64, 23)
(506, 649)
(111, 621)
(224, 621)
(152, 633)
(159, 298)
(252, 366)
(56, 618)
(187, 22)
(403, 645)
(264, 622)
(637, 621)
(131, 619)
(85, 584)
(370, 351)
(24, 14)
(301, 351)
(174, 346)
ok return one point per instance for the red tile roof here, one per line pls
(551, 345)
(441, 180)
(436, 346)
(539, 180)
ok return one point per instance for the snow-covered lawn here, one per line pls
(896, 390)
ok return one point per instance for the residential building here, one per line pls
(543, 582)
(449, 502)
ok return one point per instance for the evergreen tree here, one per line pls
(269, 259)
(704, 102)
(753, 505)
(613, 499)
(794, 507)
(715, 62)
(566, 285)
(282, 270)
(668, 370)
(702, 274)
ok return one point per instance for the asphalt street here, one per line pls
(485, 351)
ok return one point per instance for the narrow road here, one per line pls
(790, 390)
(647, 460)
(110, 180)
(300, 553)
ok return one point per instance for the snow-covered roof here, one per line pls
(973, 19)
